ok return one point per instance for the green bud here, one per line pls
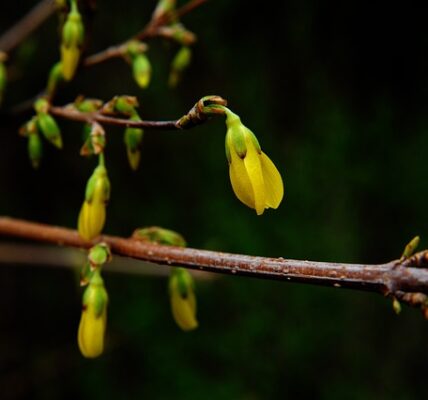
(133, 138)
(72, 39)
(3, 79)
(98, 181)
(411, 247)
(163, 7)
(134, 47)
(50, 129)
(55, 77)
(85, 105)
(41, 105)
(124, 105)
(180, 62)
(160, 236)
(99, 255)
(29, 127)
(35, 149)
(396, 306)
(142, 70)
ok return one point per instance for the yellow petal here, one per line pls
(184, 311)
(241, 183)
(69, 61)
(254, 171)
(91, 334)
(274, 188)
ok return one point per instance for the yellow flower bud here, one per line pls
(72, 39)
(255, 179)
(93, 212)
(183, 300)
(93, 321)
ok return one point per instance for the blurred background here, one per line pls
(337, 95)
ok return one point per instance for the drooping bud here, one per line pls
(35, 149)
(93, 212)
(255, 179)
(86, 105)
(182, 298)
(142, 70)
(46, 123)
(72, 40)
(55, 77)
(3, 74)
(133, 138)
(180, 62)
(93, 320)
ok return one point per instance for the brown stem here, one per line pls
(75, 115)
(393, 278)
(150, 30)
(30, 22)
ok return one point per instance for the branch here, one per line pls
(75, 115)
(30, 22)
(199, 114)
(406, 279)
(150, 30)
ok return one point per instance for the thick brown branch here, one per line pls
(393, 278)
(30, 22)
(150, 30)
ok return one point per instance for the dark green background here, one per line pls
(337, 95)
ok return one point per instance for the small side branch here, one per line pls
(396, 278)
(29, 23)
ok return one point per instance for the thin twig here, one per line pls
(75, 115)
(24, 27)
(150, 30)
(395, 278)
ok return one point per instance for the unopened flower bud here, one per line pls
(180, 62)
(93, 212)
(55, 77)
(142, 70)
(72, 40)
(50, 129)
(182, 298)
(133, 138)
(93, 320)
(35, 149)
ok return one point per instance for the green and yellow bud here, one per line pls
(35, 149)
(163, 7)
(180, 62)
(3, 75)
(255, 179)
(72, 39)
(159, 235)
(133, 138)
(182, 298)
(93, 320)
(410, 247)
(55, 77)
(50, 129)
(124, 105)
(142, 70)
(93, 212)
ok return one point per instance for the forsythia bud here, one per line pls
(50, 129)
(183, 300)
(180, 62)
(72, 39)
(35, 149)
(255, 179)
(55, 77)
(93, 212)
(93, 321)
(163, 7)
(411, 247)
(133, 138)
(3, 75)
(142, 70)
(160, 236)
